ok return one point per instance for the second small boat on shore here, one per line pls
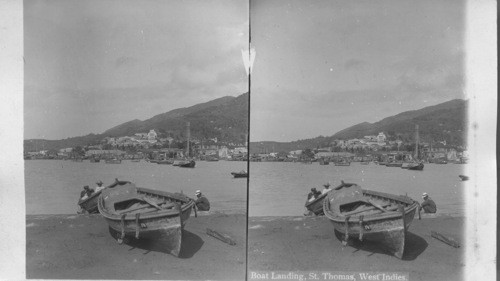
(369, 215)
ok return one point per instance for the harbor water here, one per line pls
(275, 188)
(54, 186)
(281, 188)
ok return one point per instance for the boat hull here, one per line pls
(163, 226)
(418, 167)
(239, 175)
(387, 229)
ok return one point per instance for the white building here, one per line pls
(152, 136)
(381, 137)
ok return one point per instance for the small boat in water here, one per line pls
(463, 177)
(143, 213)
(369, 215)
(95, 160)
(416, 166)
(241, 174)
(185, 164)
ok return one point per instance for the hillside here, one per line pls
(446, 121)
(225, 118)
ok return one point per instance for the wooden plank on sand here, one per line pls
(221, 236)
(448, 240)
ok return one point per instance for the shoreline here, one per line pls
(80, 247)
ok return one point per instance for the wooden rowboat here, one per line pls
(186, 164)
(416, 167)
(369, 215)
(242, 174)
(142, 213)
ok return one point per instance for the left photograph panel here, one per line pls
(136, 139)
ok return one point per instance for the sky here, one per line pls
(90, 65)
(322, 66)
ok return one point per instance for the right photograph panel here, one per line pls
(358, 130)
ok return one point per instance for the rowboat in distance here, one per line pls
(95, 160)
(377, 217)
(185, 164)
(463, 177)
(140, 213)
(113, 161)
(416, 166)
(241, 174)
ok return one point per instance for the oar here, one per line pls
(147, 200)
(376, 205)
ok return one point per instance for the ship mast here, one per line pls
(188, 133)
(416, 141)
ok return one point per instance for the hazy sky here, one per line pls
(322, 65)
(94, 64)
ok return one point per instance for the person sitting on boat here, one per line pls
(428, 205)
(313, 194)
(99, 186)
(86, 192)
(201, 202)
(326, 188)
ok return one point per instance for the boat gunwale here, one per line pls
(339, 218)
(92, 196)
(322, 196)
(187, 204)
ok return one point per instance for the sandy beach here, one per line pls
(308, 244)
(80, 247)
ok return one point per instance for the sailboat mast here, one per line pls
(188, 134)
(416, 141)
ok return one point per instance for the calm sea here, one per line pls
(280, 188)
(53, 186)
(276, 188)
